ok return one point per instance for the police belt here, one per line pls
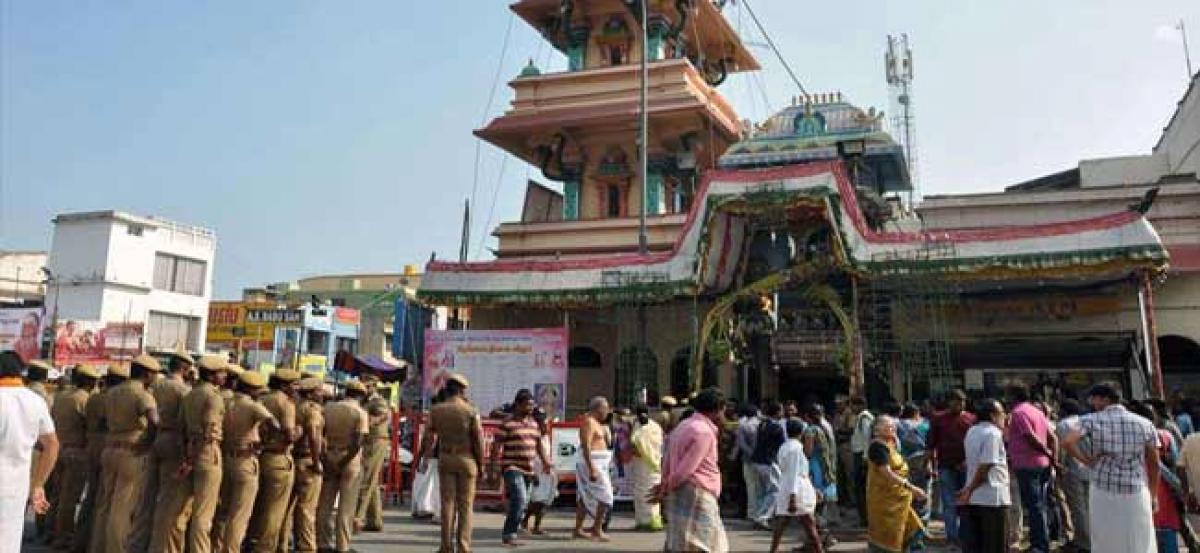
(200, 439)
(128, 446)
(277, 449)
(247, 450)
(455, 450)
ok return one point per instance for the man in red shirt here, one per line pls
(1031, 446)
(947, 431)
(520, 441)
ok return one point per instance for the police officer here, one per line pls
(369, 514)
(132, 420)
(199, 478)
(97, 434)
(239, 485)
(456, 426)
(301, 516)
(276, 468)
(70, 422)
(153, 532)
(346, 430)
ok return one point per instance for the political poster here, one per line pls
(21, 331)
(498, 363)
(78, 342)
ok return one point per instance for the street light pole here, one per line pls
(52, 279)
(643, 164)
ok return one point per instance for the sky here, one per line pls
(334, 137)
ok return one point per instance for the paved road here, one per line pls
(404, 534)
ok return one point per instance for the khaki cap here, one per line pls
(87, 370)
(455, 377)
(254, 379)
(213, 363)
(120, 370)
(310, 384)
(41, 364)
(286, 375)
(356, 386)
(183, 356)
(234, 369)
(148, 361)
(310, 374)
(668, 401)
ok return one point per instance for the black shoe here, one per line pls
(372, 529)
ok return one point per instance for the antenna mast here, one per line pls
(898, 67)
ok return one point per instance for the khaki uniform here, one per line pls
(165, 459)
(301, 517)
(199, 491)
(344, 422)
(276, 471)
(70, 424)
(239, 485)
(454, 421)
(370, 505)
(96, 434)
(126, 456)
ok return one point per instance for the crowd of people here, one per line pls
(197, 455)
(144, 458)
(1016, 473)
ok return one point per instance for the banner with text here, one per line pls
(500, 362)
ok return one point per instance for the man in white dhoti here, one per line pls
(1124, 463)
(647, 438)
(593, 486)
(24, 421)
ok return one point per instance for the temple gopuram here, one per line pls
(781, 261)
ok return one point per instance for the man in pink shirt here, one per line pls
(1030, 449)
(691, 481)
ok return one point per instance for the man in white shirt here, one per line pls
(24, 421)
(985, 499)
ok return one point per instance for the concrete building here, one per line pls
(22, 281)
(111, 267)
(372, 294)
(1095, 187)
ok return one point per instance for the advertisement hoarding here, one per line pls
(77, 342)
(21, 331)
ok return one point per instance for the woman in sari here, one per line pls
(892, 524)
(646, 469)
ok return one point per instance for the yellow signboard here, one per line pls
(246, 325)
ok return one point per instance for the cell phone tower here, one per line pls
(899, 70)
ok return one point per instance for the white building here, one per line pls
(21, 277)
(114, 267)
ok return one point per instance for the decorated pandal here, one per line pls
(807, 203)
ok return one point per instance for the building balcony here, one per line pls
(585, 237)
(606, 99)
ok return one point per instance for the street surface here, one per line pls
(402, 533)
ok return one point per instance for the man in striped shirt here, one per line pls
(514, 447)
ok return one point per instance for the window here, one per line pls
(169, 331)
(318, 343)
(135, 230)
(614, 201)
(179, 274)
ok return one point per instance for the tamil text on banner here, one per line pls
(21, 331)
(96, 342)
(500, 362)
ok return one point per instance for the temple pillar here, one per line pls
(570, 199)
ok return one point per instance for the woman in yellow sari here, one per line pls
(892, 524)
